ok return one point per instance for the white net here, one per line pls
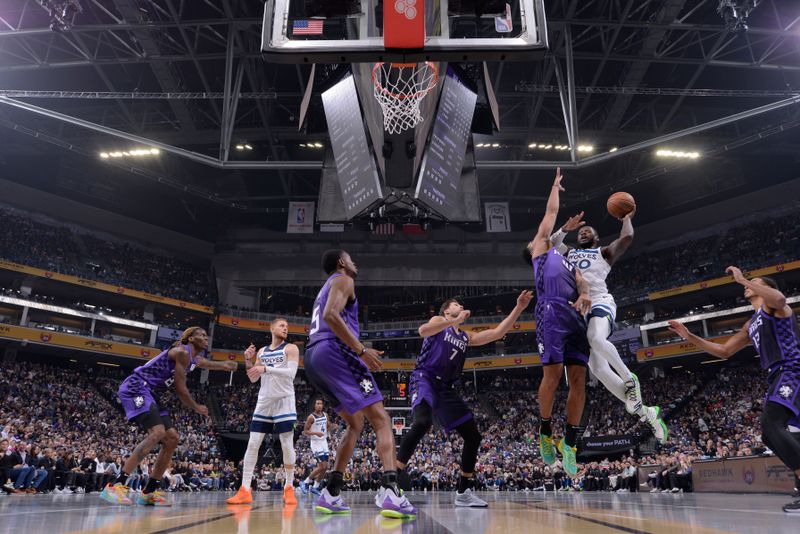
(399, 89)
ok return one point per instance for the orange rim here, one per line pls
(398, 96)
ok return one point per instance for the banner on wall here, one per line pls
(498, 218)
(750, 474)
(605, 445)
(301, 218)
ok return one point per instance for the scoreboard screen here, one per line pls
(441, 185)
(355, 166)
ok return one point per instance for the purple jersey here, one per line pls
(319, 328)
(442, 355)
(776, 339)
(158, 372)
(554, 277)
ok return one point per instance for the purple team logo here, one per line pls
(366, 386)
(785, 392)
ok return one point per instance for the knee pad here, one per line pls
(287, 446)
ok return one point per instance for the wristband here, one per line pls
(363, 350)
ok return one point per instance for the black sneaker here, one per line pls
(792, 507)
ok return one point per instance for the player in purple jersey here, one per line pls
(562, 301)
(434, 388)
(139, 396)
(774, 333)
(339, 366)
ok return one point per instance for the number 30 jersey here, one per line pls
(320, 330)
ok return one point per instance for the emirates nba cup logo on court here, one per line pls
(45, 337)
(406, 7)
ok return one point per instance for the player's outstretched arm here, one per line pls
(572, 224)
(493, 334)
(732, 345)
(439, 323)
(181, 357)
(539, 245)
(774, 300)
(341, 290)
(620, 245)
(211, 365)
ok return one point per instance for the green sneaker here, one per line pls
(568, 458)
(653, 417)
(546, 449)
(633, 395)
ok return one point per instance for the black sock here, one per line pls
(335, 482)
(122, 478)
(464, 483)
(545, 428)
(152, 485)
(571, 435)
(390, 481)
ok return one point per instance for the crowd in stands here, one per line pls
(55, 247)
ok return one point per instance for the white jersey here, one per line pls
(593, 267)
(319, 443)
(274, 386)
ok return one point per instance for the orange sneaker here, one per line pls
(243, 496)
(288, 495)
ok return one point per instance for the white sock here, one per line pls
(307, 480)
(289, 482)
(600, 368)
(251, 457)
(316, 483)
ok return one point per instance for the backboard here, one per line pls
(356, 31)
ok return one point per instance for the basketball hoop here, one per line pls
(399, 89)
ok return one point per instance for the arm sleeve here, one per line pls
(290, 370)
(558, 240)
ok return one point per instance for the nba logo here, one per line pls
(749, 476)
(301, 215)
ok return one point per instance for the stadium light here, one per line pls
(682, 154)
(585, 148)
(613, 149)
(133, 152)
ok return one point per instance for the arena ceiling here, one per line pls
(168, 70)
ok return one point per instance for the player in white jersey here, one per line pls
(595, 263)
(316, 429)
(275, 411)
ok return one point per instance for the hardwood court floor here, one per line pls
(638, 513)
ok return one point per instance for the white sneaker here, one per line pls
(665, 491)
(633, 395)
(470, 500)
(654, 490)
(676, 490)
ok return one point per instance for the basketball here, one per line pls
(620, 204)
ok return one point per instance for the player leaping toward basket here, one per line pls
(594, 263)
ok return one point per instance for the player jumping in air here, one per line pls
(562, 300)
(594, 263)
(339, 366)
(434, 390)
(275, 410)
(316, 428)
(774, 333)
(139, 396)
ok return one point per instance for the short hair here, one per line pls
(446, 304)
(277, 320)
(771, 282)
(319, 399)
(330, 260)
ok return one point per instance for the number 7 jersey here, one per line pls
(319, 329)
(443, 354)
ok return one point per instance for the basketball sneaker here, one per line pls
(470, 500)
(568, 455)
(792, 507)
(153, 499)
(546, 449)
(633, 394)
(303, 487)
(243, 496)
(116, 494)
(328, 504)
(315, 489)
(652, 414)
(393, 505)
(288, 495)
